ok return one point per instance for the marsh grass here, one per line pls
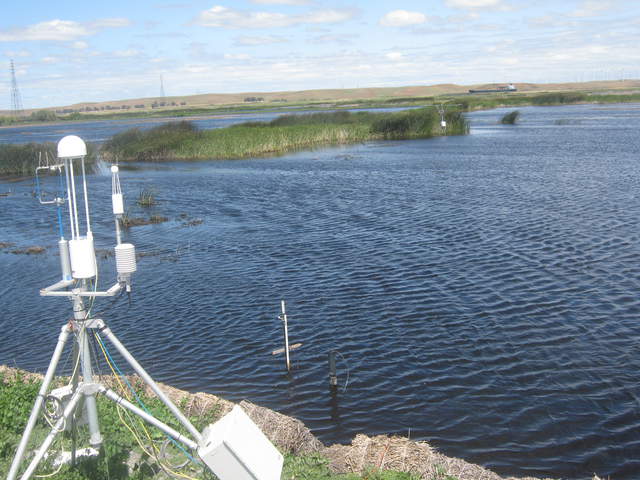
(127, 221)
(147, 197)
(510, 118)
(183, 141)
(150, 145)
(22, 159)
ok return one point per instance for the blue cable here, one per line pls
(37, 185)
(139, 400)
(60, 221)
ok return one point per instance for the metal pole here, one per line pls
(333, 377)
(57, 428)
(118, 234)
(286, 334)
(35, 412)
(80, 315)
(74, 388)
(149, 381)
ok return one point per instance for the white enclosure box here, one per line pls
(117, 202)
(234, 448)
(83, 258)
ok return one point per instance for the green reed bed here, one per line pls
(489, 101)
(22, 159)
(182, 141)
(510, 118)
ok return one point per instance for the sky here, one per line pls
(80, 51)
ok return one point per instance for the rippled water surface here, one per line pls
(483, 290)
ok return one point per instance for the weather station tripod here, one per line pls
(233, 448)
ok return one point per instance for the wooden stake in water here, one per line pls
(333, 377)
(283, 316)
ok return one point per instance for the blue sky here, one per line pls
(76, 51)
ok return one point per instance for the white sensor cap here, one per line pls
(71, 147)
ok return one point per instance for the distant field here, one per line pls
(194, 104)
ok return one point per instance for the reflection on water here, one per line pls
(482, 289)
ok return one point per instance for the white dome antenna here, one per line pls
(72, 146)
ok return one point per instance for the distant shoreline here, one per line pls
(470, 102)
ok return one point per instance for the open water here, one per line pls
(482, 290)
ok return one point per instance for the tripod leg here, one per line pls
(57, 428)
(111, 395)
(149, 381)
(35, 412)
(95, 438)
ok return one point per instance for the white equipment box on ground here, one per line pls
(234, 448)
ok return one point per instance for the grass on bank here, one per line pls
(493, 100)
(183, 141)
(121, 456)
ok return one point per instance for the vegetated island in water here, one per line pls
(184, 141)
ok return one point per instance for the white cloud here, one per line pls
(327, 16)
(402, 18)
(333, 38)
(591, 8)
(282, 2)
(237, 56)
(131, 52)
(59, 30)
(395, 56)
(110, 23)
(80, 45)
(543, 21)
(472, 3)
(255, 41)
(49, 60)
(16, 54)
(223, 17)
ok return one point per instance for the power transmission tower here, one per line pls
(161, 88)
(16, 99)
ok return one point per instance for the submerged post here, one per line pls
(283, 317)
(333, 377)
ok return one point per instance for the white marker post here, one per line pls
(283, 316)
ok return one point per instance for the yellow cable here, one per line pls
(48, 475)
(135, 436)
